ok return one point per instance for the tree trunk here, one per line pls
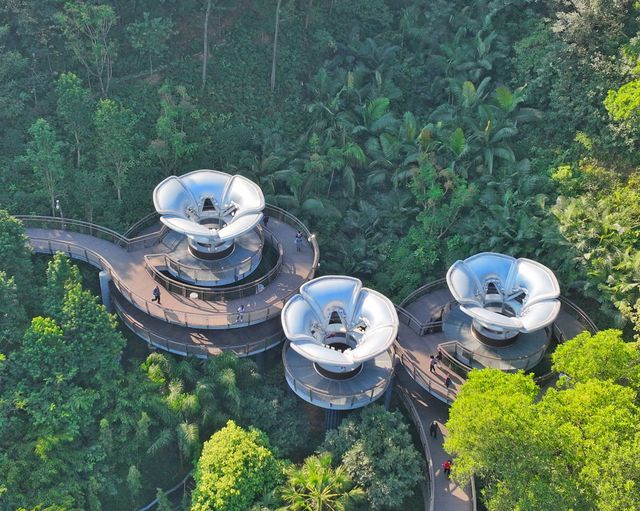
(205, 51)
(275, 47)
(77, 150)
(306, 18)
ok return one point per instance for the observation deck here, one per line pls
(431, 319)
(339, 354)
(190, 319)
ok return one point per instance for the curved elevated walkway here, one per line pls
(181, 324)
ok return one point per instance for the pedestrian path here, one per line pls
(447, 495)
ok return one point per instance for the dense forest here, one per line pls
(406, 133)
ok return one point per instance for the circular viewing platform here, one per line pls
(190, 319)
(431, 320)
(364, 386)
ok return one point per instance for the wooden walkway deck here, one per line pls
(180, 324)
(129, 270)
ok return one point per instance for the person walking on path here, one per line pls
(433, 429)
(439, 355)
(432, 364)
(448, 382)
(240, 311)
(156, 295)
(446, 467)
(299, 241)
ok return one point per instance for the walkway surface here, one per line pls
(129, 269)
(447, 495)
(205, 326)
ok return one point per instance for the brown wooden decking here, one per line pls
(129, 269)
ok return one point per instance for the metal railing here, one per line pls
(157, 263)
(82, 227)
(405, 397)
(286, 217)
(193, 350)
(146, 221)
(205, 320)
(332, 399)
(420, 376)
(423, 290)
(579, 314)
(405, 317)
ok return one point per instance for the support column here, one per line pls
(388, 394)
(332, 419)
(260, 359)
(105, 293)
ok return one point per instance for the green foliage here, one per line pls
(151, 36)
(115, 152)
(86, 29)
(551, 453)
(317, 485)
(236, 467)
(15, 257)
(61, 274)
(44, 158)
(375, 450)
(603, 356)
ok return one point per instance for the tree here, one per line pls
(86, 29)
(318, 486)
(151, 36)
(275, 47)
(44, 157)
(114, 126)
(236, 467)
(603, 356)
(13, 319)
(546, 454)
(61, 274)
(376, 452)
(170, 144)
(15, 256)
(75, 107)
(205, 43)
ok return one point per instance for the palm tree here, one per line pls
(317, 486)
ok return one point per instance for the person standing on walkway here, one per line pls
(448, 382)
(240, 312)
(439, 355)
(433, 429)
(432, 364)
(299, 239)
(156, 295)
(446, 467)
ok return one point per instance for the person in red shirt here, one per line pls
(446, 466)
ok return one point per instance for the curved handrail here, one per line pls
(422, 290)
(144, 221)
(210, 294)
(409, 319)
(67, 224)
(434, 387)
(331, 398)
(167, 492)
(192, 271)
(582, 315)
(198, 351)
(285, 216)
(408, 403)
(209, 320)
